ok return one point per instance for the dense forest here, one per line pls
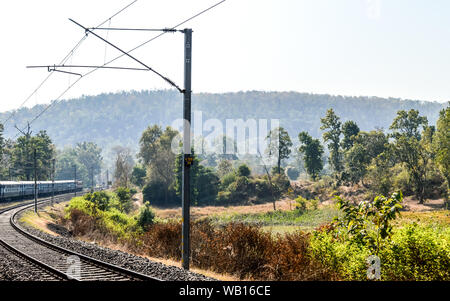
(119, 119)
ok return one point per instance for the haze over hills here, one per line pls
(120, 118)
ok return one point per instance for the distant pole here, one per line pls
(53, 180)
(186, 149)
(35, 182)
(107, 179)
(75, 177)
(10, 178)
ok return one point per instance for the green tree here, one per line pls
(225, 167)
(350, 129)
(138, 175)
(331, 124)
(89, 155)
(279, 145)
(407, 147)
(66, 162)
(243, 171)
(124, 196)
(23, 156)
(204, 182)
(146, 216)
(366, 147)
(149, 144)
(441, 145)
(312, 154)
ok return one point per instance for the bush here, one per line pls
(239, 249)
(227, 180)
(243, 171)
(416, 253)
(281, 183)
(124, 196)
(100, 199)
(146, 216)
(240, 189)
(303, 204)
(224, 196)
(262, 188)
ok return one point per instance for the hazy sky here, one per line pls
(386, 48)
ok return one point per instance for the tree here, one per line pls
(331, 123)
(243, 171)
(279, 145)
(66, 162)
(225, 167)
(366, 147)
(350, 129)
(312, 154)
(408, 149)
(157, 156)
(441, 145)
(204, 182)
(89, 155)
(23, 156)
(148, 144)
(123, 166)
(138, 175)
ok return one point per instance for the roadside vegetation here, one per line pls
(335, 246)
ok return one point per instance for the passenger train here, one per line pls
(19, 190)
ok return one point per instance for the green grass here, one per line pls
(282, 221)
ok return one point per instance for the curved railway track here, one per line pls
(53, 262)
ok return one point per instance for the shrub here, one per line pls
(124, 196)
(100, 199)
(146, 216)
(224, 196)
(419, 253)
(415, 253)
(262, 188)
(243, 171)
(239, 249)
(240, 189)
(227, 180)
(281, 183)
(303, 204)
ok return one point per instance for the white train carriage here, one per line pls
(24, 189)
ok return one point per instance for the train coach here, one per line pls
(10, 190)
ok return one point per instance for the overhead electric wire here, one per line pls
(66, 58)
(122, 55)
(130, 56)
(63, 61)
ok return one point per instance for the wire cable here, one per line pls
(120, 56)
(63, 61)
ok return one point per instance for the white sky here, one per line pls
(395, 48)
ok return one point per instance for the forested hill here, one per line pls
(119, 119)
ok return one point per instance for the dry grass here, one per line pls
(241, 250)
(201, 212)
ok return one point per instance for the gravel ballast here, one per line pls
(119, 258)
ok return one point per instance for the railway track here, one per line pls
(52, 262)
